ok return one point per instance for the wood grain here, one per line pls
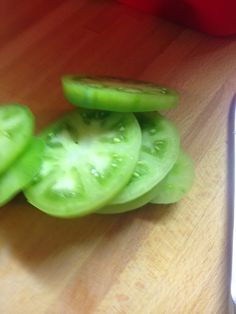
(159, 259)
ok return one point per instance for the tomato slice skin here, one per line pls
(119, 95)
(159, 151)
(175, 185)
(178, 181)
(89, 157)
(22, 171)
(131, 205)
(16, 131)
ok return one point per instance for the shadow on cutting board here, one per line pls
(50, 247)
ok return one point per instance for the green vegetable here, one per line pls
(22, 171)
(16, 131)
(171, 189)
(106, 93)
(177, 182)
(89, 157)
(159, 152)
(131, 205)
(100, 158)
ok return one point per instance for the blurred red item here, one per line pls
(216, 17)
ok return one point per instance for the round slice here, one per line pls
(159, 152)
(121, 95)
(177, 182)
(16, 131)
(131, 205)
(171, 189)
(89, 157)
(22, 171)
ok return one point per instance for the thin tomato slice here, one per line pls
(89, 157)
(121, 95)
(16, 131)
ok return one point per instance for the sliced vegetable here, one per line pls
(177, 182)
(119, 95)
(22, 171)
(131, 205)
(89, 157)
(159, 152)
(16, 131)
(171, 189)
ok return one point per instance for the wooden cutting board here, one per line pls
(159, 259)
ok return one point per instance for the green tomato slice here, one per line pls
(22, 171)
(177, 182)
(89, 157)
(159, 152)
(16, 131)
(121, 95)
(171, 189)
(131, 205)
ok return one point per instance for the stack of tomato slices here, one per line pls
(113, 153)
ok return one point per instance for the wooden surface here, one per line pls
(170, 259)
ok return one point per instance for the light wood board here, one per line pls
(159, 259)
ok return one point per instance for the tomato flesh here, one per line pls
(113, 94)
(22, 171)
(159, 152)
(16, 131)
(89, 157)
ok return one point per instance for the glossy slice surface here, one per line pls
(16, 131)
(120, 95)
(22, 171)
(178, 181)
(159, 152)
(89, 157)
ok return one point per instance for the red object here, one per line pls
(216, 17)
